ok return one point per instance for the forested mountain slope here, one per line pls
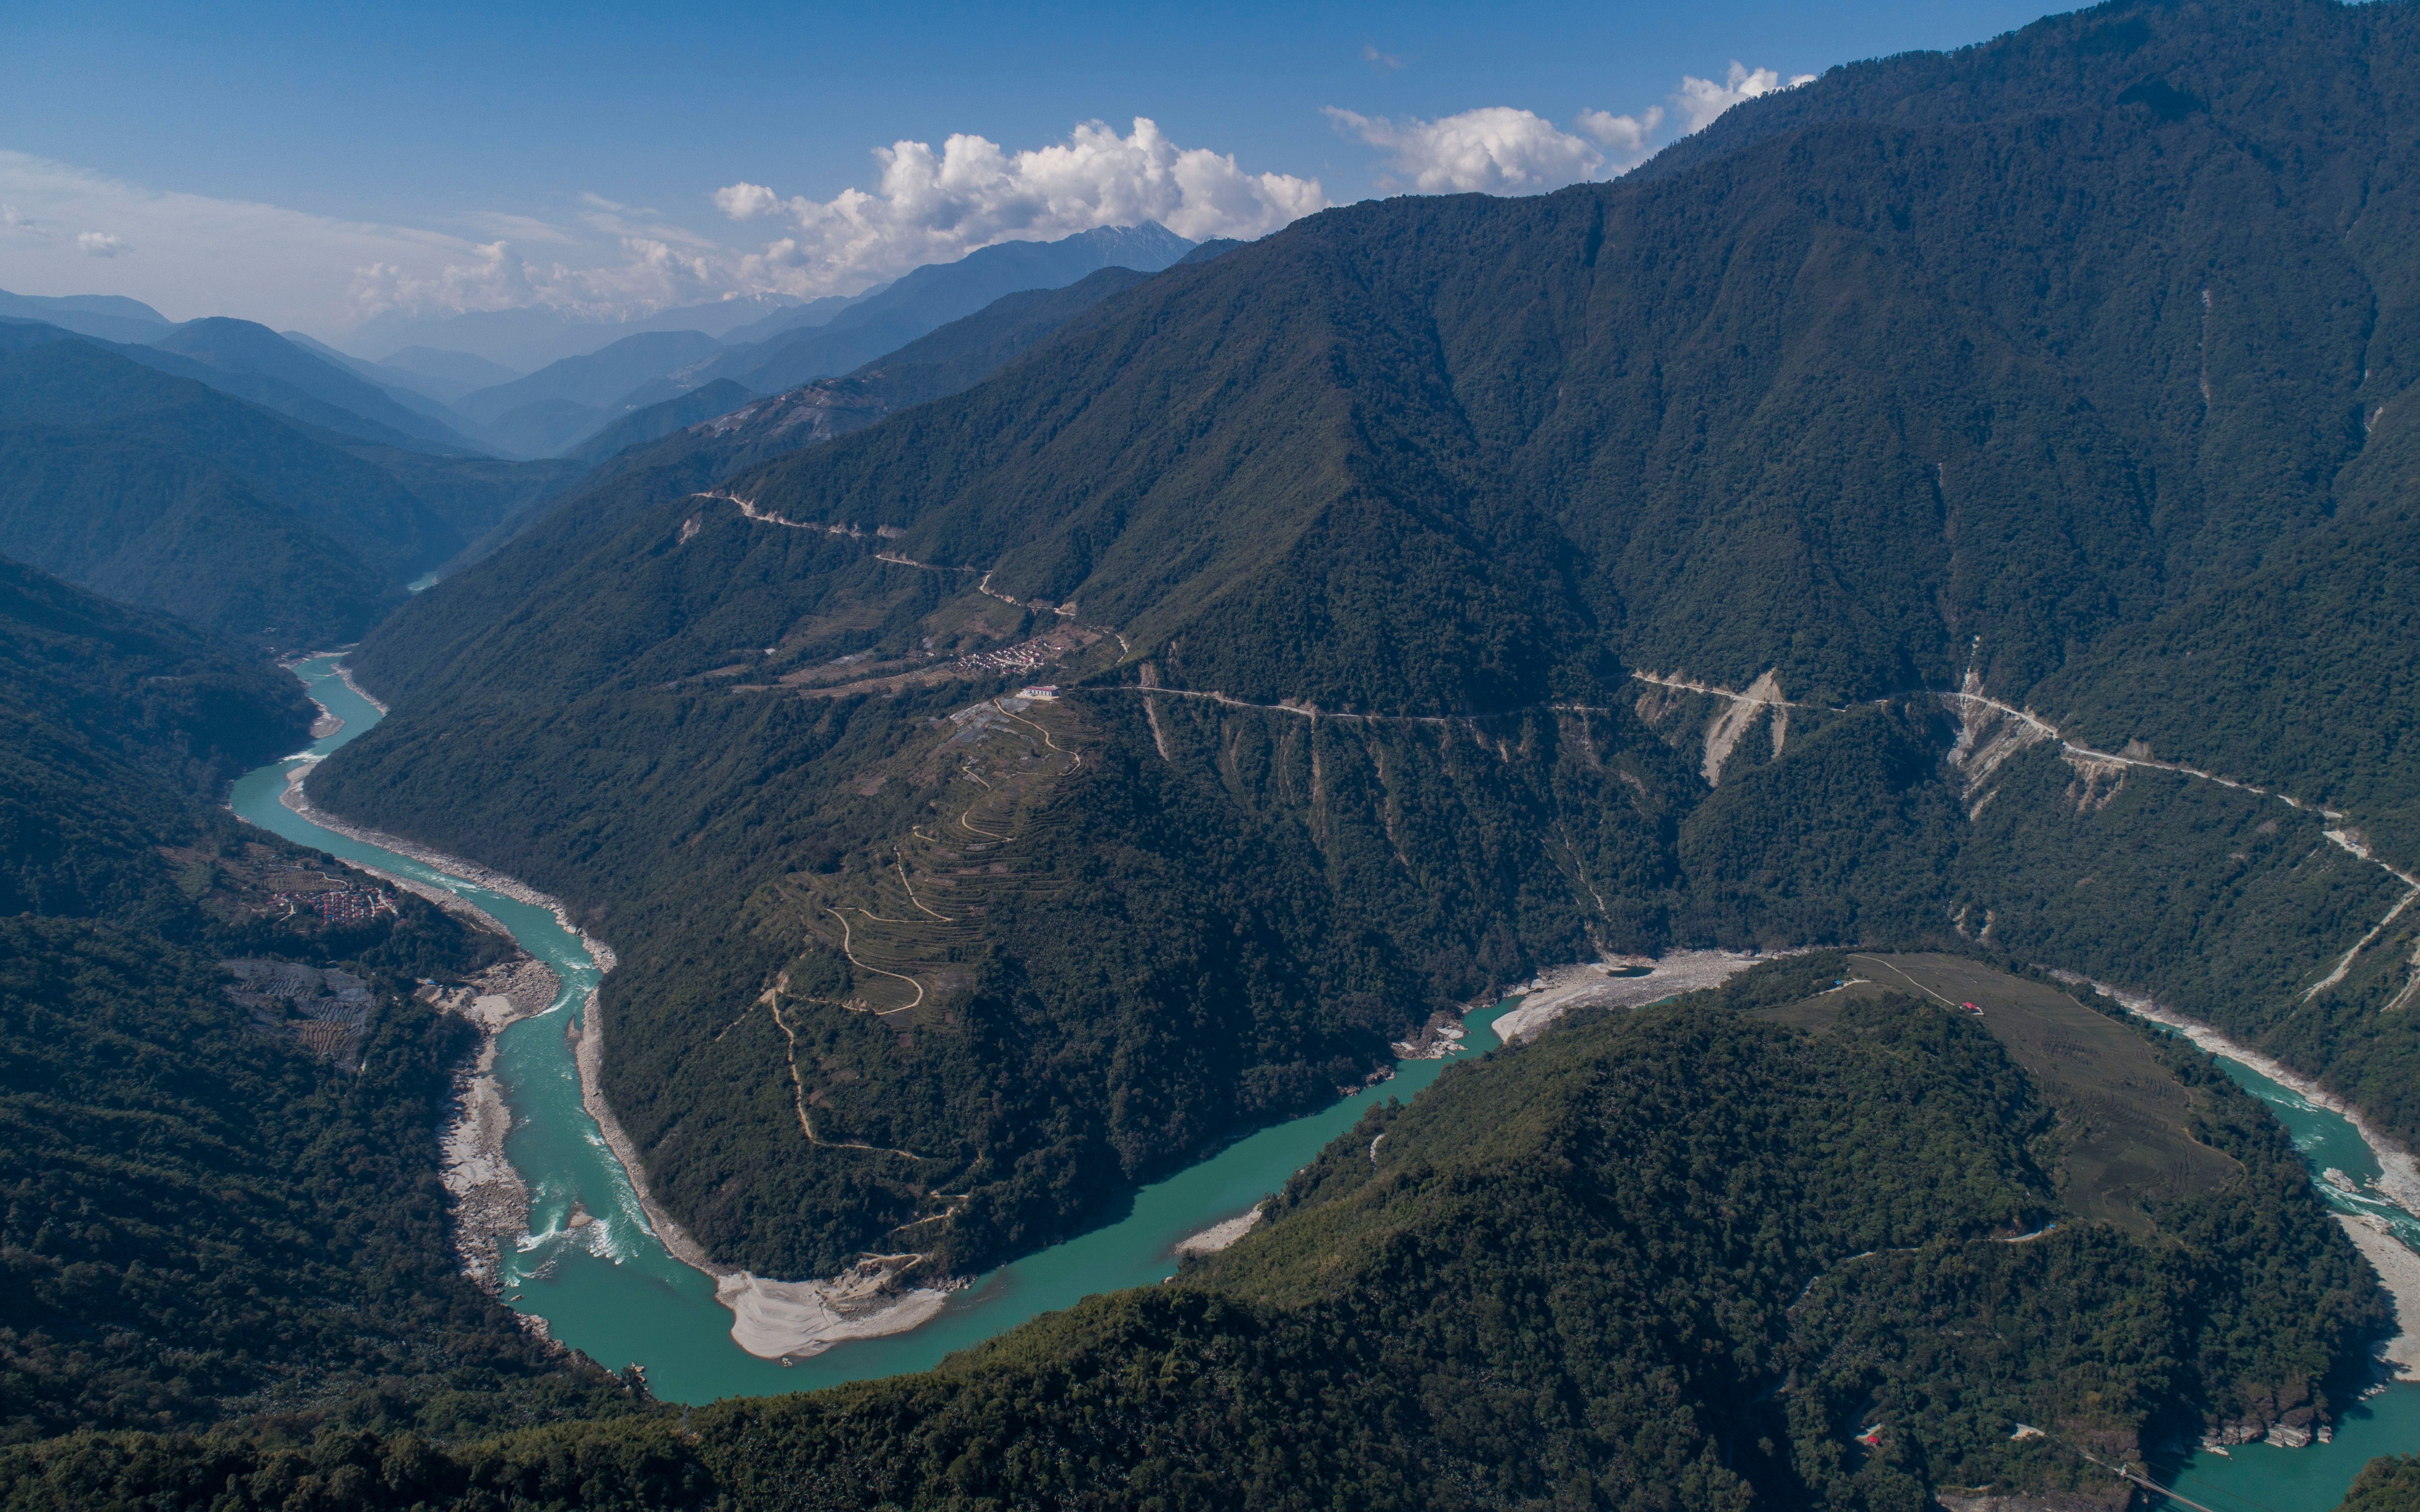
(1682, 1258)
(205, 1218)
(423, 636)
(239, 347)
(1444, 587)
(157, 490)
(656, 421)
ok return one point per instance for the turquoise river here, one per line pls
(610, 1288)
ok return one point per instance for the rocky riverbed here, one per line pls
(491, 1203)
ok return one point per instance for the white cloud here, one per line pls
(745, 201)
(935, 207)
(520, 230)
(1494, 150)
(289, 269)
(1500, 149)
(1702, 100)
(1377, 60)
(1624, 135)
(201, 255)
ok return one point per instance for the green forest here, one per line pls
(206, 1223)
(1683, 1257)
(1438, 590)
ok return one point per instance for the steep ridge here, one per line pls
(528, 337)
(426, 634)
(594, 379)
(933, 295)
(440, 374)
(1855, 412)
(147, 704)
(539, 414)
(652, 422)
(110, 316)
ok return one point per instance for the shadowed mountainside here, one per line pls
(210, 1217)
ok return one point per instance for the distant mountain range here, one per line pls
(932, 297)
(524, 340)
(565, 400)
(574, 397)
(110, 316)
(181, 482)
(428, 395)
(271, 488)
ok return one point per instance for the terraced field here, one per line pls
(2125, 1123)
(911, 930)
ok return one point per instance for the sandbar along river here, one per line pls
(610, 1288)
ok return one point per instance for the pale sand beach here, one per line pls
(1587, 984)
(491, 1203)
(299, 799)
(2398, 1268)
(797, 1319)
(1219, 1236)
(346, 674)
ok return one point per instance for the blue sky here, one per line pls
(308, 165)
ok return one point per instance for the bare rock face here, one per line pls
(2289, 1435)
(2285, 1416)
(1440, 1037)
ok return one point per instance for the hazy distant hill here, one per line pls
(2039, 365)
(567, 402)
(159, 490)
(813, 312)
(579, 394)
(447, 376)
(406, 389)
(656, 421)
(254, 364)
(110, 316)
(528, 338)
(933, 295)
(244, 347)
